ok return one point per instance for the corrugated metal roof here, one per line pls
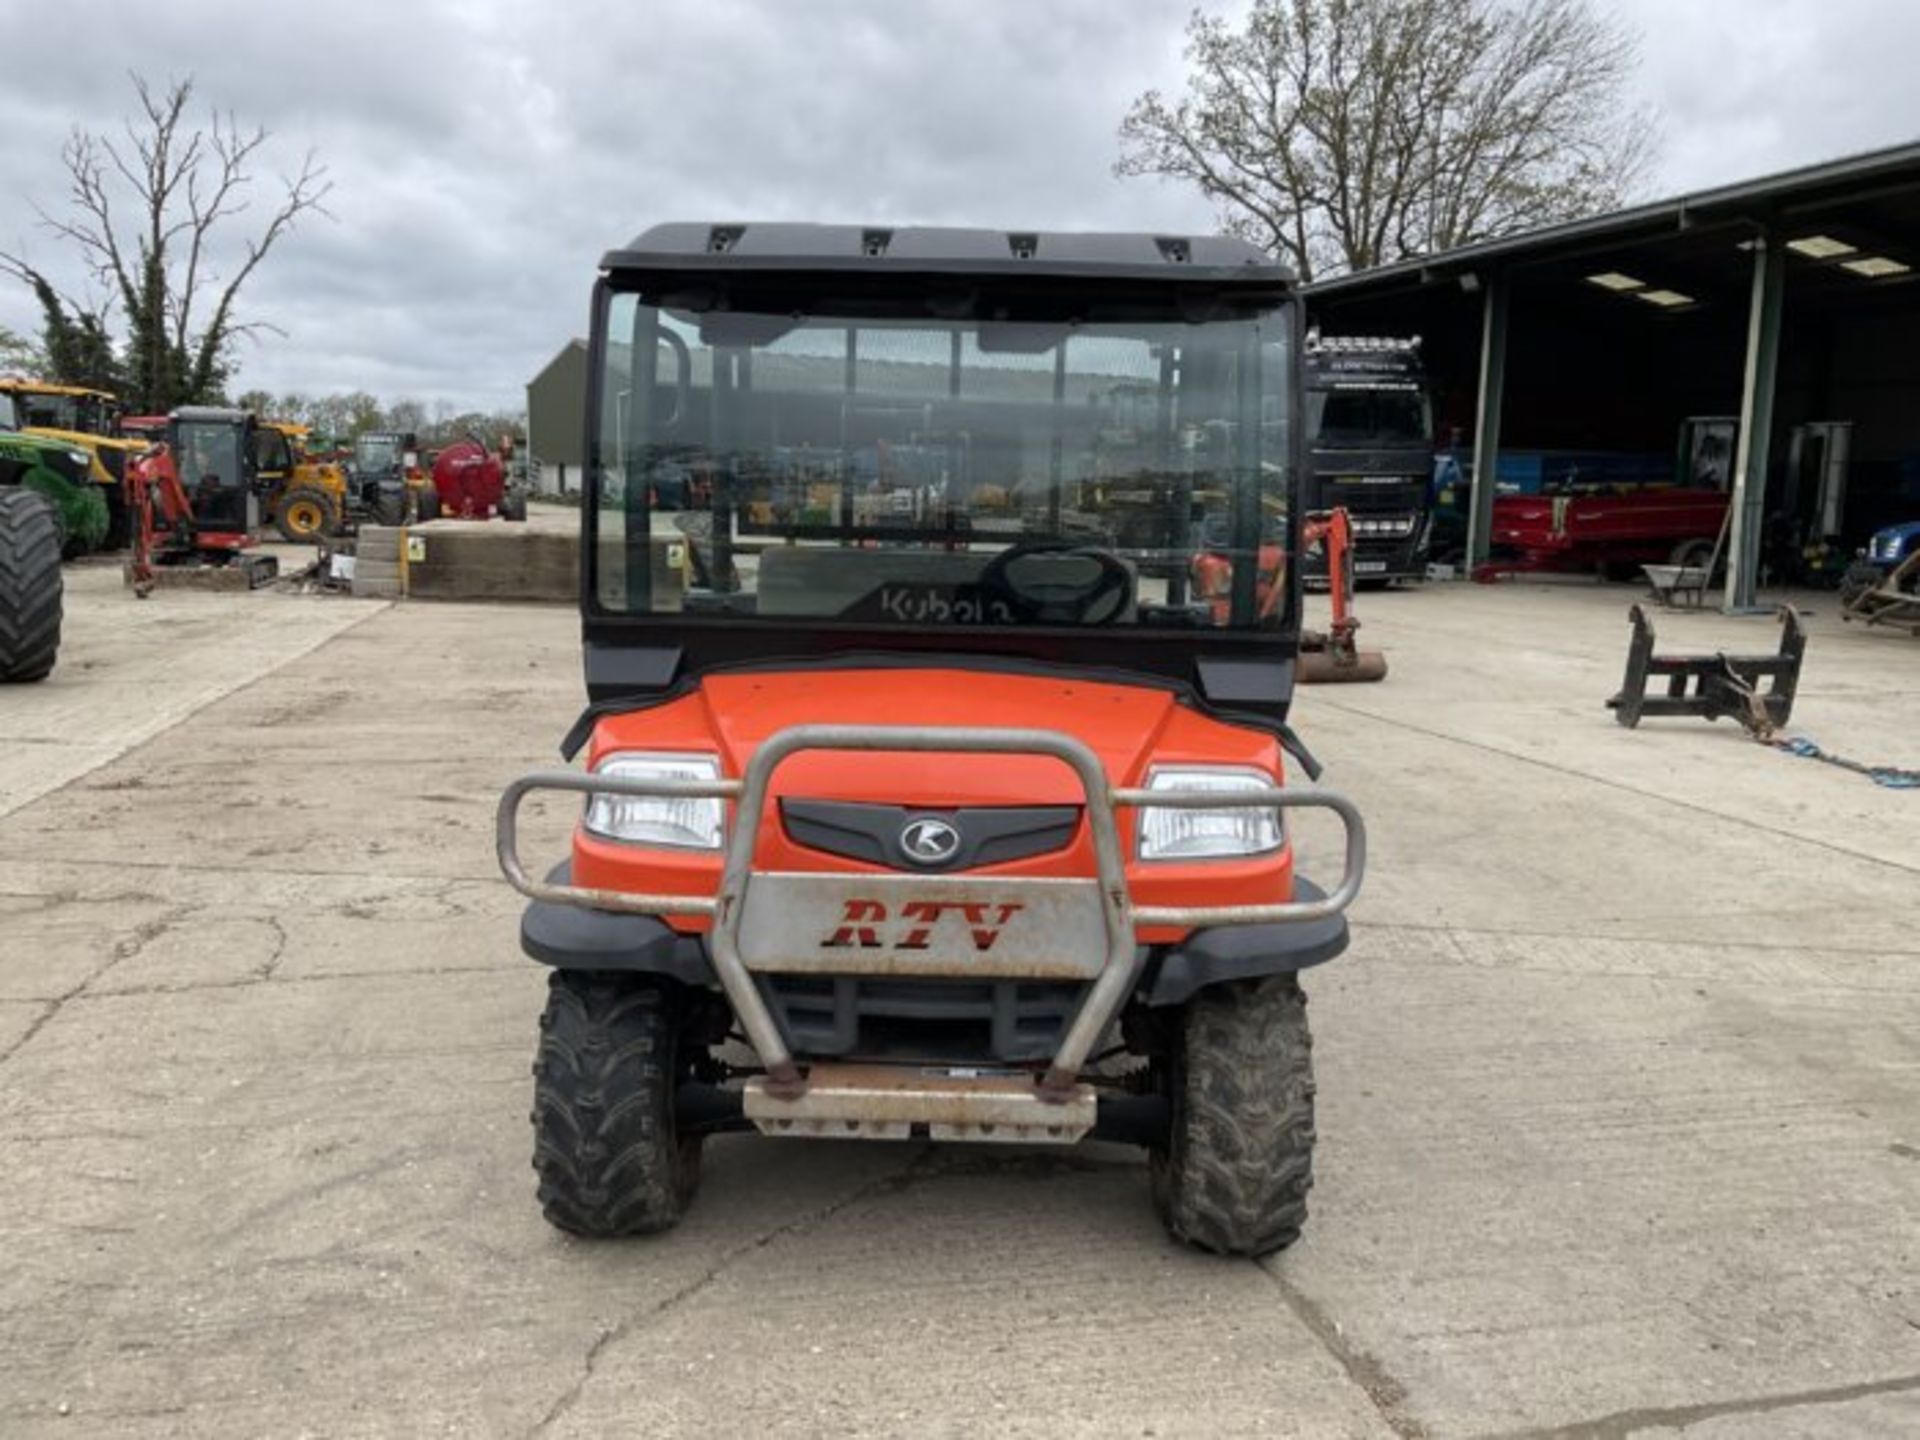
(1755, 199)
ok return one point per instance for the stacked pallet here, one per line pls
(379, 562)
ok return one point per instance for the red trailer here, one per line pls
(1601, 529)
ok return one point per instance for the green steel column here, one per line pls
(1749, 498)
(1486, 425)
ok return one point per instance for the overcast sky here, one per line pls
(485, 152)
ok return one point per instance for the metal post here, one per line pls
(1054, 454)
(1486, 425)
(636, 535)
(1749, 499)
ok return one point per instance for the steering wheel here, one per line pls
(1059, 602)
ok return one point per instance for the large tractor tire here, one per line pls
(389, 506)
(79, 511)
(426, 503)
(306, 515)
(1238, 1163)
(30, 586)
(606, 1148)
(1863, 577)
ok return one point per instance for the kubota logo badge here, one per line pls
(928, 841)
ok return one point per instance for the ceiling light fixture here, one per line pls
(1875, 267)
(1821, 247)
(1665, 299)
(1615, 281)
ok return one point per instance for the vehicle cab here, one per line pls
(937, 731)
(1369, 422)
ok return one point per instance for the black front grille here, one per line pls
(865, 1017)
(986, 835)
(1400, 497)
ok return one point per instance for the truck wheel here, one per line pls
(605, 1146)
(305, 515)
(30, 586)
(513, 507)
(1239, 1158)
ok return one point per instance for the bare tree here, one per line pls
(1343, 134)
(146, 211)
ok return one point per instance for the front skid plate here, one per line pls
(887, 1102)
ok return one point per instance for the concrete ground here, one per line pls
(1620, 1085)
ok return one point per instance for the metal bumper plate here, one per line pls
(891, 924)
(886, 1102)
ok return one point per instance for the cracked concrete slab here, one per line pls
(130, 670)
(1618, 1091)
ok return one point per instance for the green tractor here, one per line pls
(82, 419)
(60, 473)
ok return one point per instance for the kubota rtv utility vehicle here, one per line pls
(954, 794)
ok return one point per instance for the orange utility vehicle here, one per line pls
(964, 810)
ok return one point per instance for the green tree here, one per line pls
(147, 213)
(409, 417)
(75, 346)
(1344, 134)
(364, 412)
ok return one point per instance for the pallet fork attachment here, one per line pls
(1711, 686)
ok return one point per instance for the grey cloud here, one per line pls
(486, 153)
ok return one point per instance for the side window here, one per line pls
(271, 451)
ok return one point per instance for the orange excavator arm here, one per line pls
(1336, 655)
(157, 500)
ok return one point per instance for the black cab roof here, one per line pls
(946, 250)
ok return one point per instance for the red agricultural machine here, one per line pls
(469, 482)
(195, 503)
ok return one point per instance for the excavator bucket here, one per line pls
(1323, 663)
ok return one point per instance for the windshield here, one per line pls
(208, 456)
(9, 413)
(924, 472)
(1359, 417)
(82, 414)
(375, 454)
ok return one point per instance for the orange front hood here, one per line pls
(1122, 724)
(1129, 727)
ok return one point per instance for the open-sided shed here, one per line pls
(1787, 301)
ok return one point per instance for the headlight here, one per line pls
(677, 821)
(1208, 834)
